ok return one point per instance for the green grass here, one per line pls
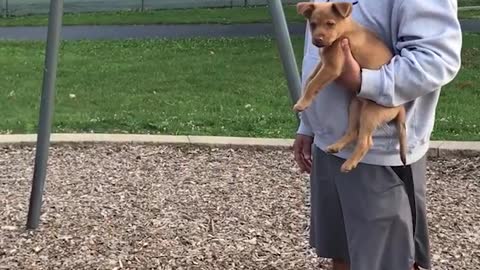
(186, 16)
(458, 117)
(463, 3)
(469, 14)
(232, 87)
(176, 16)
(177, 87)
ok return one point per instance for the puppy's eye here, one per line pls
(330, 23)
(313, 25)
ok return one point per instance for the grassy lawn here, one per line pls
(470, 14)
(216, 87)
(463, 3)
(457, 115)
(186, 16)
(176, 16)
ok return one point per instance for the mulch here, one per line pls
(169, 207)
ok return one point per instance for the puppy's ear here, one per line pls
(342, 9)
(305, 8)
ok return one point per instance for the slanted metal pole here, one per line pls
(285, 48)
(46, 112)
(5, 9)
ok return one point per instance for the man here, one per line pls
(374, 218)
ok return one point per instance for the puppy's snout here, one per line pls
(319, 41)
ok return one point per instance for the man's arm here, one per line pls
(429, 45)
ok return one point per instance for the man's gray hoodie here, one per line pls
(426, 38)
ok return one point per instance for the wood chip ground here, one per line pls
(166, 207)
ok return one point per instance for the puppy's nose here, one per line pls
(319, 42)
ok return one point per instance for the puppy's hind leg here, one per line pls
(352, 129)
(368, 122)
(364, 142)
(372, 116)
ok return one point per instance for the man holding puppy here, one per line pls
(374, 217)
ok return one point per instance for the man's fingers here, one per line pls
(307, 155)
(297, 151)
(350, 77)
(307, 151)
(345, 45)
(302, 149)
(301, 163)
(346, 50)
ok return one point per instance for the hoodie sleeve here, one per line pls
(308, 65)
(429, 45)
(304, 128)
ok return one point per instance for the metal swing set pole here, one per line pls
(46, 112)
(285, 49)
(48, 92)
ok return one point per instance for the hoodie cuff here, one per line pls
(371, 85)
(304, 129)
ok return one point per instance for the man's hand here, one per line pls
(302, 148)
(351, 77)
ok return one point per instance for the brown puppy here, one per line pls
(330, 23)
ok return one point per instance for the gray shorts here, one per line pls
(373, 217)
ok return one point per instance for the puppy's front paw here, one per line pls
(301, 105)
(348, 166)
(334, 148)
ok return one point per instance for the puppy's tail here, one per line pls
(402, 134)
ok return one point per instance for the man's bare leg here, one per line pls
(340, 265)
